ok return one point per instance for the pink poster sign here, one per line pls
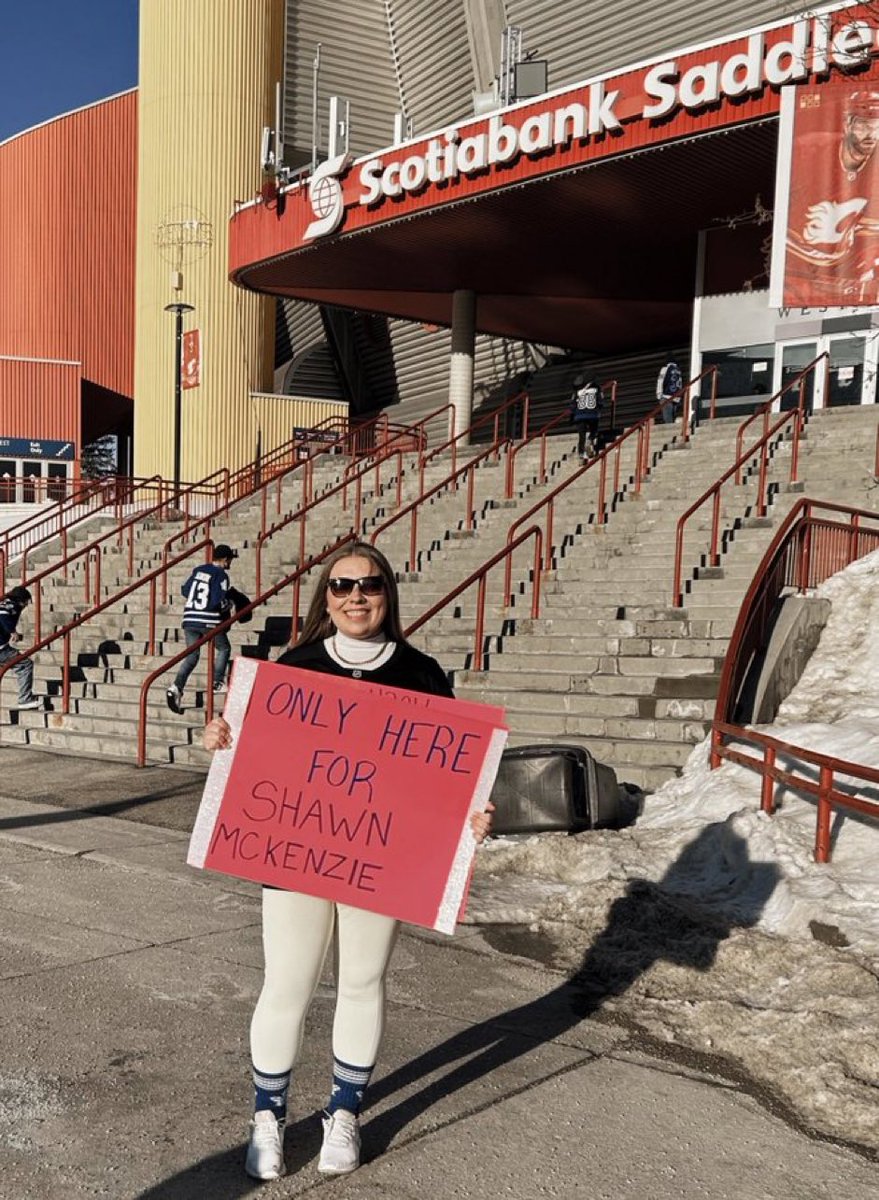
(349, 790)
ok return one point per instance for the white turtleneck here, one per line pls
(367, 654)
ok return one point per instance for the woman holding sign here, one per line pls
(352, 629)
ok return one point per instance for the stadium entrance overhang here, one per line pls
(574, 218)
(599, 258)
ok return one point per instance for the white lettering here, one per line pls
(786, 61)
(471, 154)
(742, 72)
(851, 44)
(450, 169)
(820, 42)
(570, 124)
(370, 181)
(434, 165)
(601, 114)
(665, 93)
(413, 173)
(700, 85)
(811, 46)
(503, 141)
(391, 185)
(536, 134)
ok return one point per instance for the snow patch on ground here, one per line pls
(709, 923)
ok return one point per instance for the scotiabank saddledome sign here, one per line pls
(696, 91)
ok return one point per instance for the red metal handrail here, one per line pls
(828, 797)
(301, 514)
(520, 397)
(479, 576)
(35, 582)
(326, 447)
(406, 430)
(800, 556)
(65, 631)
(413, 506)
(793, 417)
(510, 481)
(295, 577)
(686, 392)
(120, 495)
(798, 381)
(806, 550)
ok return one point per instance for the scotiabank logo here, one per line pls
(325, 196)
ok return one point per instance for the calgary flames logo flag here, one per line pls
(825, 249)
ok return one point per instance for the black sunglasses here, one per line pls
(370, 585)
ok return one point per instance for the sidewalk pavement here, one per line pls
(127, 983)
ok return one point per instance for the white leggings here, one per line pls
(297, 931)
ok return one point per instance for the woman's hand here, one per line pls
(480, 823)
(217, 735)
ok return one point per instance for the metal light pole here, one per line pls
(178, 309)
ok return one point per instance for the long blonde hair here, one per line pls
(318, 625)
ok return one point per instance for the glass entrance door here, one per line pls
(794, 357)
(31, 473)
(847, 376)
(850, 376)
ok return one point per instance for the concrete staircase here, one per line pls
(110, 651)
(609, 664)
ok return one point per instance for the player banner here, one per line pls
(349, 790)
(825, 238)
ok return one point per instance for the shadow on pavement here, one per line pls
(671, 920)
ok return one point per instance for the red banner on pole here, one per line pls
(349, 790)
(190, 369)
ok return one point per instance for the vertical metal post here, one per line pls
(315, 84)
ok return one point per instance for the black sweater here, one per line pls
(406, 668)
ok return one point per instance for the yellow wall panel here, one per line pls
(207, 74)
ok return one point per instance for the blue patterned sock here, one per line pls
(349, 1084)
(271, 1092)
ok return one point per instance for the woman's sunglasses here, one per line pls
(370, 585)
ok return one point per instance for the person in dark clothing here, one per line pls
(208, 602)
(669, 385)
(585, 411)
(353, 630)
(12, 606)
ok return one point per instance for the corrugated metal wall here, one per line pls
(40, 399)
(67, 235)
(439, 62)
(579, 38)
(434, 63)
(207, 76)
(277, 416)
(355, 63)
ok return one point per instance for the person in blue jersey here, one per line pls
(352, 629)
(12, 606)
(208, 601)
(584, 408)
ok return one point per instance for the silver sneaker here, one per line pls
(340, 1152)
(265, 1150)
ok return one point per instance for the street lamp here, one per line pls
(178, 309)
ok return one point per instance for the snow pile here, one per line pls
(709, 924)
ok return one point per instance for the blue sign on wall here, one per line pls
(37, 448)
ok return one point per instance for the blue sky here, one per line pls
(56, 55)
